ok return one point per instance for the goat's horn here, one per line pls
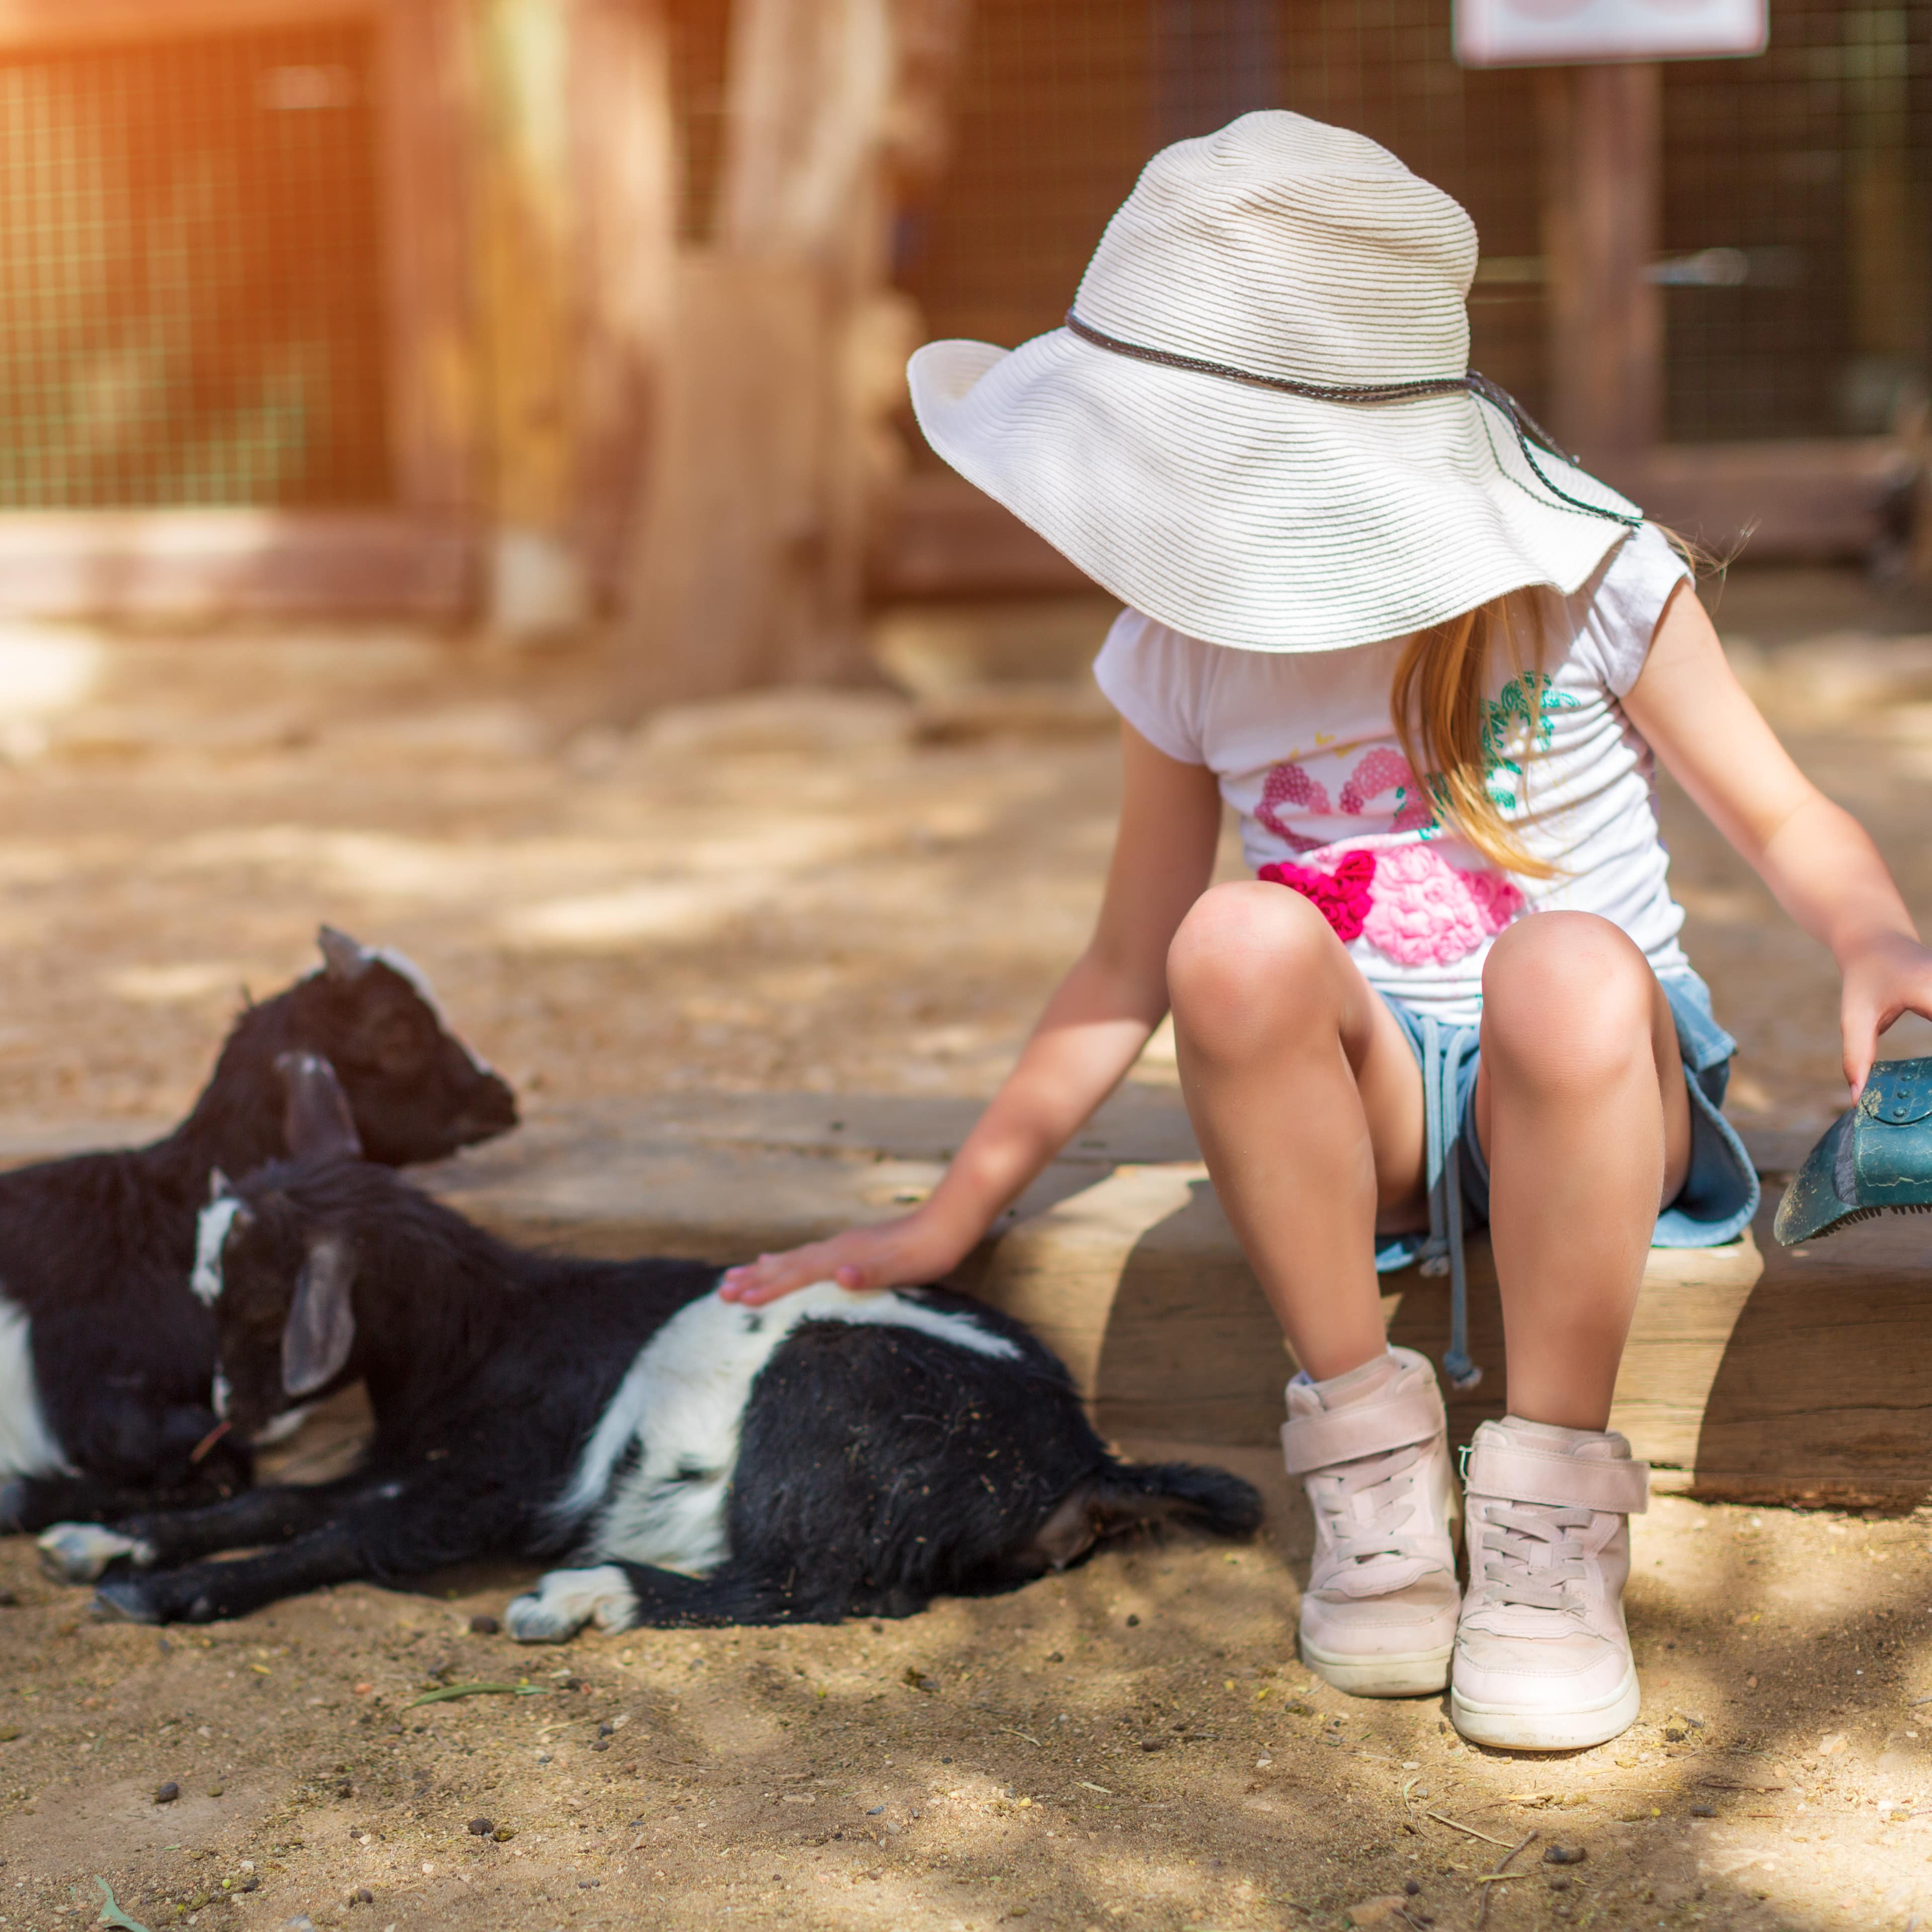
(345, 959)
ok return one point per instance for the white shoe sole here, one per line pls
(1511, 1727)
(1415, 1674)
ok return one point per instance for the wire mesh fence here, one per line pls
(191, 291)
(1797, 187)
(190, 280)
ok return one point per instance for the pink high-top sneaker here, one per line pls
(1378, 1618)
(1543, 1660)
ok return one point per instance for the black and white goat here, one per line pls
(833, 1454)
(106, 1358)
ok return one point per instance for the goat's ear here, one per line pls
(344, 958)
(316, 1119)
(321, 1328)
(218, 1186)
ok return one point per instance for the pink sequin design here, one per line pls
(1384, 770)
(1341, 897)
(1289, 784)
(1425, 911)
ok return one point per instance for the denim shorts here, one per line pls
(1719, 1194)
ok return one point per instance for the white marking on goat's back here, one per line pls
(211, 1234)
(682, 1402)
(404, 967)
(27, 1444)
(565, 1600)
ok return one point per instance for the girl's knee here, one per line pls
(1247, 952)
(1568, 993)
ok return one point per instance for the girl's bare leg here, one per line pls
(1307, 1102)
(1583, 1119)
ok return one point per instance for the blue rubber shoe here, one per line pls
(1876, 1158)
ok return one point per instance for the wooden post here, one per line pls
(535, 582)
(1602, 136)
(427, 79)
(787, 336)
(577, 241)
(625, 179)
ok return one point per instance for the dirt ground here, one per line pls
(855, 893)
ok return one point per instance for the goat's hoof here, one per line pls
(528, 1620)
(13, 1506)
(79, 1553)
(565, 1600)
(127, 1600)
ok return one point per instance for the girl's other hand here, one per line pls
(1889, 976)
(903, 1252)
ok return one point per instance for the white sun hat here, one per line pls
(1259, 424)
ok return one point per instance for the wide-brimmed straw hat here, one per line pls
(1259, 424)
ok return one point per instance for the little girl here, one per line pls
(1427, 660)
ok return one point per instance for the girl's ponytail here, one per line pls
(1441, 720)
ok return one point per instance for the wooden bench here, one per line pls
(1754, 1373)
(1138, 1283)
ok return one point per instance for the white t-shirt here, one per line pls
(1303, 744)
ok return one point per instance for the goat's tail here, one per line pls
(1131, 1493)
(1119, 1498)
(664, 1598)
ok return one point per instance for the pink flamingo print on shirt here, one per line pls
(1425, 911)
(1384, 770)
(1289, 784)
(1381, 770)
(1406, 900)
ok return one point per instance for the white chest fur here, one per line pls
(27, 1445)
(682, 1404)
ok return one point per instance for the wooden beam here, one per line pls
(945, 539)
(808, 82)
(1782, 501)
(1601, 130)
(625, 172)
(427, 75)
(1791, 501)
(780, 384)
(1752, 1372)
(537, 583)
(202, 564)
(729, 584)
(61, 23)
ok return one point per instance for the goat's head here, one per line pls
(285, 1328)
(414, 1091)
(279, 1280)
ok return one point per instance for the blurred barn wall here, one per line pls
(449, 307)
(588, 317)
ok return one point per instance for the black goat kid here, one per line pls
(833, 1454)
(107, 1359)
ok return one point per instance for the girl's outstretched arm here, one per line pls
(1092, 1031)
(1813, 855)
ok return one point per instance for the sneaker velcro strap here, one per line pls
(1373, 1428)
(1521, 1475)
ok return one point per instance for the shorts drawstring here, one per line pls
(1443, 1049)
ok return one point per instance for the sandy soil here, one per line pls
(819, 895)
(1130, 1746)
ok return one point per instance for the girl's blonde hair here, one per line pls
(1442, 720)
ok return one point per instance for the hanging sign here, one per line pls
(1552, 33)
